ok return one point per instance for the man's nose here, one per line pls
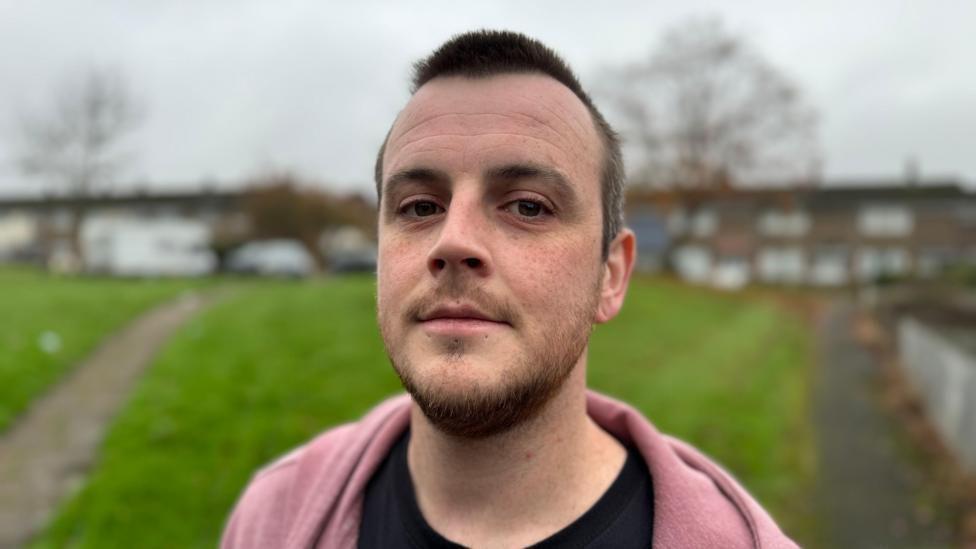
(461, 243)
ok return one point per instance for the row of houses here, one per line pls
(153, 234)
(831, 235)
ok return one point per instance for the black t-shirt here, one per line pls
(623, 516)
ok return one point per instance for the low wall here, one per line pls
(945, 376)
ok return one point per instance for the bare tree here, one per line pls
(74, 143)
(705, 111)
(282, 206)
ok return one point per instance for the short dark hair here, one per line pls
(486, 53)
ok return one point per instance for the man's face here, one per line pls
(489, 271)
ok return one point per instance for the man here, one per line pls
(500, 246)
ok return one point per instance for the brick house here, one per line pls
(826, 236)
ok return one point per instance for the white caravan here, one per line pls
(130, 246)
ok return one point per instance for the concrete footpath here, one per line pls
(49, 449)
(870, 494)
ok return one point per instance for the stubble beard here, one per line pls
(479, 411)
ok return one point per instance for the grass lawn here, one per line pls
(48, 323)
(279, 362)
(728, 373)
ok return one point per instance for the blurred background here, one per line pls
(187, 242)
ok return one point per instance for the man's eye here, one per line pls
(527, 208)
(421, 208)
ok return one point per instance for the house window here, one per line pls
(784, 223)
(693, 263)
(873, 263)
(781, 264)
(895, 261)
(704, 222)
(731, 272)
(829, 266)
(885, 221)
(868, 263)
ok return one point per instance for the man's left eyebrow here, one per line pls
(514, 172)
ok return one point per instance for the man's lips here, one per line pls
(457, 312)
(459, 320)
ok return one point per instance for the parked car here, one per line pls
(280, 257)
(363, 261)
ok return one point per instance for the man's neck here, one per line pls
(519, 487)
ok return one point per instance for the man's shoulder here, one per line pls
(286, 500)
(696, 502)
(290, 468)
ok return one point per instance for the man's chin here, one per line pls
(456, 349)
(479, 387)
(462, 406)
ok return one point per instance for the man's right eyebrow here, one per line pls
(415, 175)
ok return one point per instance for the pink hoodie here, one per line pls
(313, 496)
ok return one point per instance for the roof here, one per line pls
(137, 198)
(837, 194)
(832, 195)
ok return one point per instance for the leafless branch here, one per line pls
(74, 143)
(706, 110)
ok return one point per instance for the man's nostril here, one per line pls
(473, 262)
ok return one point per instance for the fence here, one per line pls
(945, 375)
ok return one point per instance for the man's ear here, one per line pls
(616, 278)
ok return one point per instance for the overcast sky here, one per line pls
(234, 88)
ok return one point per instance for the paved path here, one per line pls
(47, 451)
(869, 492)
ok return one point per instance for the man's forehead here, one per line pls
(466, 105)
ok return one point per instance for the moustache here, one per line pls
(494, 307)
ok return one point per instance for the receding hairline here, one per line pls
(595, 135)
(487, 53)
